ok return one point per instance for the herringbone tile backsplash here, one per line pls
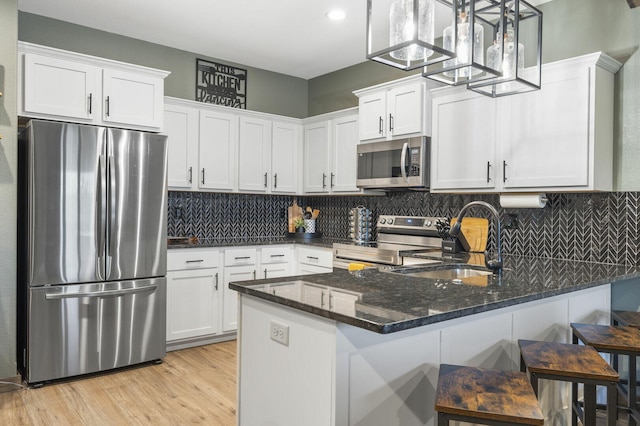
(601, 227)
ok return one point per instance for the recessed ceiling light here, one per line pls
(336, 15)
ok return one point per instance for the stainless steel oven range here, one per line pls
(399, 237)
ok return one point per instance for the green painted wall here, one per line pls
(266, 91)
(8, 185)
(570, 28)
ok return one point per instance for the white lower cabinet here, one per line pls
(194, 280)
(314, 260)
(240, 265)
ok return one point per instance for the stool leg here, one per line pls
(612, 404)
(443, 420)
(632, 389)
(589, 405)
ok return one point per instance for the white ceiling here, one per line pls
(292, 37)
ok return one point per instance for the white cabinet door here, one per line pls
(60, 88)
(192, 303)
(285, 146)
(230, 297)
(373, 113)
(254, 154)
(132, 99)
(463, 142)
(545, 135)
(181, 128)
(316, 157)
(218, 142)
(344, 154)
(404, 110)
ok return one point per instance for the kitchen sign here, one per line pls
(221, 84)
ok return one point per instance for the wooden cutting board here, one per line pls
(476, 232)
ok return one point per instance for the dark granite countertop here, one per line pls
(389, 302)
(225, 242)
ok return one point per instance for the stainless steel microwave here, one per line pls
(403, 163)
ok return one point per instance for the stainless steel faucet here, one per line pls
(494, 264)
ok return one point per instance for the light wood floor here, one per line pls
(191, 386)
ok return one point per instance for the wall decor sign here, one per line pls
(221, 84)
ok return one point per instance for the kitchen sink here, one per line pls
(456, 273)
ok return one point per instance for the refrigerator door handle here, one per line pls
(102, 211)
(105, 293)
(112, 214)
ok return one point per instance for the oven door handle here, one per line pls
(403, 161)
(104, 293)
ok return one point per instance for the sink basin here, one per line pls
(455, 273)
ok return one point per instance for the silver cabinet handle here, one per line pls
(216, 280)
(265, 180)
(380, 123)
(390, 123)
(265, 273)
(190, 174)
(90, 102)
(504, 171)
(203, 175)
(107, 103)
(312, 257)
(330, 301)
(254, 274)
(324, 180)
(322, 299)
(195, 261)
(104, 293)
(242, 257)
(332, 176)
(277, 255)
(488, 171)
(275, 180)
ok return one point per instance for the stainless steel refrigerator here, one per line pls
(92, 249)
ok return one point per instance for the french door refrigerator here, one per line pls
(92, 249)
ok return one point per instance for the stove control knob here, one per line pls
(383, 221)
(390, 221)
(427, 223)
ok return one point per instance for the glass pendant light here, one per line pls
(402, 28)
(401, 33)
(468, 38)
(519, 21)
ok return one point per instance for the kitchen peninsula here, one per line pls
(364, 347)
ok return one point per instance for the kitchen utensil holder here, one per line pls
(310, 226)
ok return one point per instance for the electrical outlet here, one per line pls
(279, 332)
(511, 221)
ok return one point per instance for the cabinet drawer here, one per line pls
(192, 259)
(236, 257)
(318, 257)
(275, 255)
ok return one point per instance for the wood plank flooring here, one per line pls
(191, 386)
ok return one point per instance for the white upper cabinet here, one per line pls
(132, 99)
(286, 146)
(463, 142)
(559, 138)
(67, 86)
(316, 157)
(181, 128)
(344, 155)
(218, 141)
(330, 153)
(60, 88)
(254, 163)
(396, 109)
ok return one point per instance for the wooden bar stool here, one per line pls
(616, 340)
(485, 396)
(575, 364)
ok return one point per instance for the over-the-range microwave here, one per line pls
(402, 163)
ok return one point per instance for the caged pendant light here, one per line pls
(519, 25)
(402, 34)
